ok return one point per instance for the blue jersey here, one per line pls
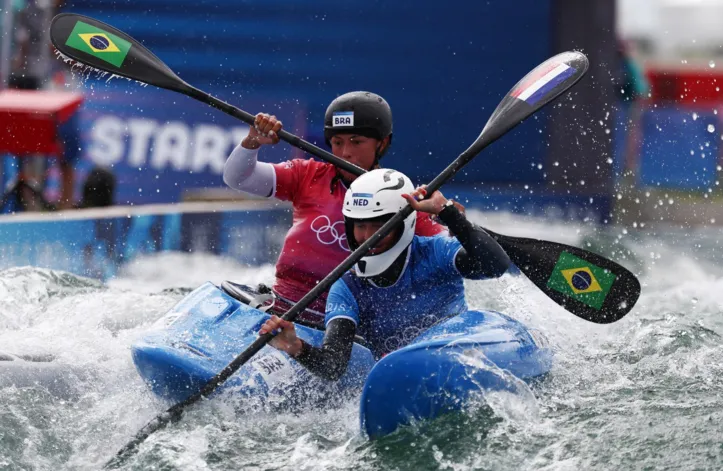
(430, 289)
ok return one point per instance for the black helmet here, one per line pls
(364, 113)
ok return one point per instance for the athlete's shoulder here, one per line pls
(303, 165)
(343, 294)
(420, 247)
(424, 242)
(318, 165)
(293, 164)
(307, 169)
(315, 170)
(426, 247)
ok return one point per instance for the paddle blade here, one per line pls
(543, 84)
(586, 284)
(104, 47)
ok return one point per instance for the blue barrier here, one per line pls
(292, 58)
(159, 144)
(96, 243)
(680, 148)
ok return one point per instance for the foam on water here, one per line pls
(614, 394)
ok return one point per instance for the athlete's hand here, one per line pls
(285, 338)
(419, 201)
(264, 131)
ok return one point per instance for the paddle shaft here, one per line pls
(284, 135)
(175, 412)
(509, 113)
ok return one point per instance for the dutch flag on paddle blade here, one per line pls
(535, 87)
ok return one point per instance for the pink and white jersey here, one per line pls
(316, 242)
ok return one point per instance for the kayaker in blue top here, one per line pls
(404, 285)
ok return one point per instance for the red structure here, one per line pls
(685, 85)
(29, 120)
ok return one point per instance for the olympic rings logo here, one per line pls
(328, 233)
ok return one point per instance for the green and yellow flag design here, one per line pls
(101, 44)
(581, 280)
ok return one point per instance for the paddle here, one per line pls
(586, 284)
(545, 83)
(104, 47)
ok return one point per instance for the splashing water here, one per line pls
(86, 71)
(613, 396)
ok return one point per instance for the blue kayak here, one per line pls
(431, 376)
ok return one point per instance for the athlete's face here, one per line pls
(359, 150)
(365, 229)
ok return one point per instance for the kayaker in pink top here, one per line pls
(358, 128)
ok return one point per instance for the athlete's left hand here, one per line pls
(419, 201)
(285, 335)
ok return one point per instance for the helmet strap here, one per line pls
(392, 274)
(339, 177)
(377, 157)
(378, 153)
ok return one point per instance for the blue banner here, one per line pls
(292, 59)
(160, 144)
(96, 243)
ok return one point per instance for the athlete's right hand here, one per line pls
(264, 131)
(285, 338)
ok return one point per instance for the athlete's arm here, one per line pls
(480, 256)
(244, 172)
(428, 226)
(330, 360)
(342, 315)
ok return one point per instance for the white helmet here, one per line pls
(378, 195)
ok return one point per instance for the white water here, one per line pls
(641, 393)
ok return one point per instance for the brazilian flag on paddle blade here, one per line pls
(581, 280)
(98, 43)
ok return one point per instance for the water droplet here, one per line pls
(711, 64)
(711, 128)
(694, 300)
